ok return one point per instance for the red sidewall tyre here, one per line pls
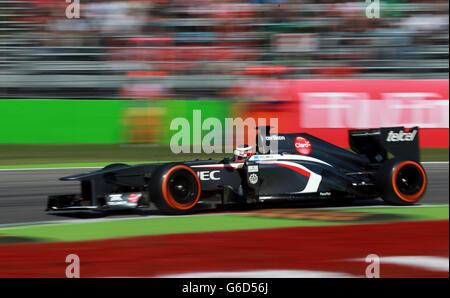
(401, 182)
(165, 194)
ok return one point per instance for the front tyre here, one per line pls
(401, 182)
(175, 189)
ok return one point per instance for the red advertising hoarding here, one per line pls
(328, 108)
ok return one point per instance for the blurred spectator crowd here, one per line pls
(157, 49)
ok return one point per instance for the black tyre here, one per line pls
(175, 189)
(401, 182)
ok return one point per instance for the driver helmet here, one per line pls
(242, 152)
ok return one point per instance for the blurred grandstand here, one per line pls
(181, 49)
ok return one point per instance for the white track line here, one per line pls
(431, 263)
(424, 262)
(261, 274)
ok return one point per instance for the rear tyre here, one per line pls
(175, 189)
(401, 182)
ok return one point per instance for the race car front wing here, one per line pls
(109, 202)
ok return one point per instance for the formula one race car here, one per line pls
(301, 166)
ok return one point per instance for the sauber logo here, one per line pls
(302, 145)
(401, 136)
(206, 175)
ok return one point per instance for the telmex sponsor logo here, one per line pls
(401, 136)
(275, 138)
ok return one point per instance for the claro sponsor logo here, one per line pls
(302, 145)
(401, 136)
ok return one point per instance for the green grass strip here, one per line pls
(195, 224)
(80, 155)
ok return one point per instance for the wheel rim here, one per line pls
(181, 187)
(409, 181)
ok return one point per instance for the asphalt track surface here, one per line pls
(23, 195)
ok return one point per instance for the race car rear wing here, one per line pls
(376, 143)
